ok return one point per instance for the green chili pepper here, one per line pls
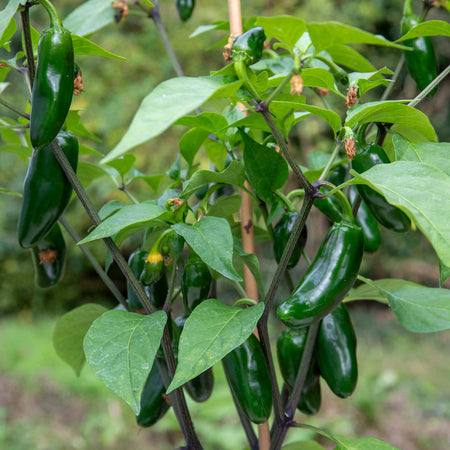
(421, 61)
(328, 279)
(53, 84)
(46, 191)
(281, 232)
(196, 281)
(290, 347)
(49, 258)
(249, 377)
(336, 352)
(153, 267)
(248, 47)
(388, 215)
(153, 404)
(185, 8)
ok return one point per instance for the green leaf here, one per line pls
(328, 34)
(169, 101)
(152, 180)
(18, 149)
(123, 164)
(317, 77)
(428, 28)
(365, 81)
(8, 192)
(129, 218)
(346, 56)
(225, 206)
(89, 17)
(6, 36)
(212, 240)
(391, 112)
(303, 445)
(217, 153)
(364, 443)
(444, 273)
(108, 209)
(7, 14)
(434, 154)
(88, 172)
(74, 125)
(251, 261)
(233, 174)
(206, 121)
(421, 191)
(191, 142)
(211, 332)
(217, 25)
(120, 347)
(266, 169)
(84, 150)
(286, 29)
(83, 46)
(69, 333)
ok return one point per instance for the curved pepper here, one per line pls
(53, 84)
(290, 347)
(153, 404)
(185, 8)
(421, 61)
(249, 377)
(249, 46)
(328, 279)
(388, 215)
(336, 352)
(46, 191)
(196, 281)
(281, 232)
(49, 257)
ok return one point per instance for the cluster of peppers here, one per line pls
(46, 190)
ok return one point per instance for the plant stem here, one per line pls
(330, 162)
(95, 264)
(25, 19)
(279, 88)
(430, 87)
(55, 21)
(390, 86)
(14, 109)
(127, 192)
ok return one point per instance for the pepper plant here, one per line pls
(386, 169)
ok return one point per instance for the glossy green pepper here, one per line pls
(330, 206)
(281, 233)
(185, 8)
(249, 46)
(46, 191)
(153, 403)
(328, 279)
(53, 84)
(153, 267)
(367, 222)
(290, 347)
(336, 352)
(249, 377)
(421, 61)
(195, 282)
(388, 215)
(49, 257)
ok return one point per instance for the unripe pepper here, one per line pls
(49, 256)
(328, 279)
(388, 215)
(336, 352)
(53, 84)
(185, 8)
(153, 267)
(46, 191)
(281, 232)
(196, 281)
(290, 348)
(249, 377)
(249, 46)
(421, 61)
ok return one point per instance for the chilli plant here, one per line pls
(385, 169)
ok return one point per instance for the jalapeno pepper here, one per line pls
(249, 46)
(421, 61)
(49, 256)
(249, 377)
(185, 8)
(336, 352)
(196, 281)
(281, 232)
(153, 267)
(328, 279)
(46, 191)
(53, 83)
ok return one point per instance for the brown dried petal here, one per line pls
(296, 84)
(350, 147)
(322, 91)
(352, 97)
(47, 255)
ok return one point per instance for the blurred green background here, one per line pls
(403, 394)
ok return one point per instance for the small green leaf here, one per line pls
(206, 121)
(217, 153)
(317, 77)
(8, 33)
(88, 172)
(251, 261)
(69, 333)
(74, 125)
(365, 81)
(152, 180)
(303, 445)
(428, 28)
(191, 142)
(444, 273)
(217, 25)
(129, 218)
(108, 209)
(364, 443)
(7, 14)
(225, 206)
(212, 240)
(8, 192)
(123, 164)
(18, 149)
(211, 332)
(120, 347)
(83, 46)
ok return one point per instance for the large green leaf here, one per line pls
(211, 332)
(364, 443)
(391, 112)
(346, 56)
(83, 46)
(129, 218)
(266, 169)
(120, 347)
(169, 101)
(225, 206)
(434, 154)
(421, 191)
(327, 34)
(89, 17)
(7, 14)
(428, 28)
(212, 240)
(69, 334)
(88, 172)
